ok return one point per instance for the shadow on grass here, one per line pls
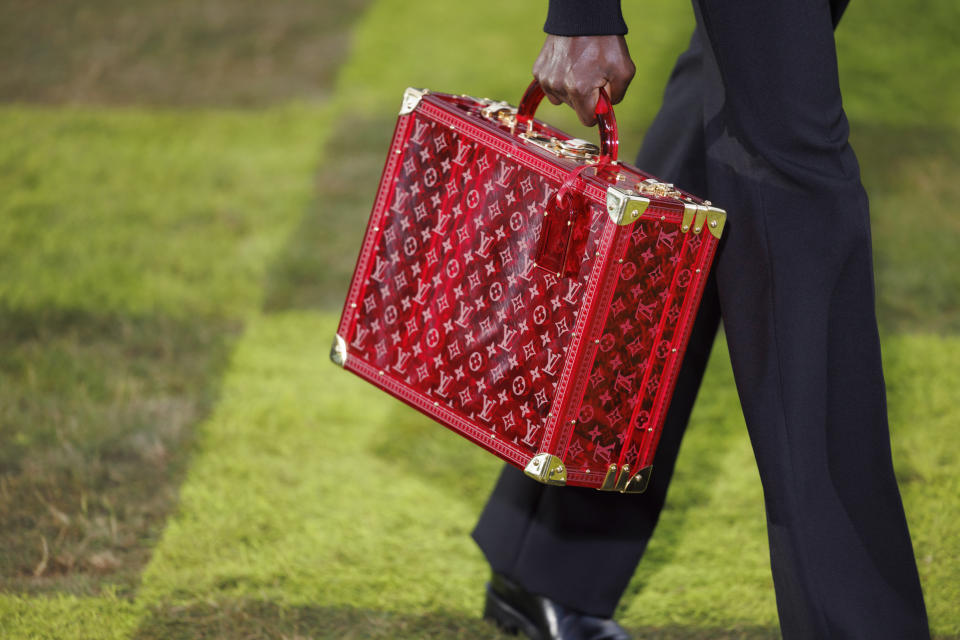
(96, 417)
(180, 52)
(256, 619)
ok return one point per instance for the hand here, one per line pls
(573, 69)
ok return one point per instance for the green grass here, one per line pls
(180, 52)
(171, 431)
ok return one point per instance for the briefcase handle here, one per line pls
(609, 139)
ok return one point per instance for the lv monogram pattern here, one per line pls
(636, 344)
(453, 304)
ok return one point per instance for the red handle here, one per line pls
(609, 139)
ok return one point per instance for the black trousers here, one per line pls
(752, 118)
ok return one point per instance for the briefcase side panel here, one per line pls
(667, 348)
(626, 339)
(659, 404)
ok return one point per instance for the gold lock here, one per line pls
(654, 187)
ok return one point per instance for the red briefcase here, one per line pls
(527, 290)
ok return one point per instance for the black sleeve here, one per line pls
(585, 18)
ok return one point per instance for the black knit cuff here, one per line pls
(585, 18)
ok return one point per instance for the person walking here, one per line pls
(752, 119)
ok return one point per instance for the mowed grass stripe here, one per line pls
(134, 244)
(391, 31)
(139, 211)
(294, 500)
(312, 492)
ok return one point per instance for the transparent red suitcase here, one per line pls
(527, 290)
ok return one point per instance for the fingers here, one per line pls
(583, 99)
(572, 89)
(617, 86)
(620, 72)
(572, 70)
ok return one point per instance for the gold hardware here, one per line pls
(623, 478)
(502, 112)
(701, 216)
(689, 211)
(624, 209)
(411, 98)
(547, 468)
(494, 107)
(610, 480)
(639, 482)
(572, 148)
(716, 218)
(578, 148)
(338, 351)
(654, 187)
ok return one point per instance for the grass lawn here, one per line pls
(178, 459)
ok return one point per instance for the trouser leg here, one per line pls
(796, 291)
(580, 546)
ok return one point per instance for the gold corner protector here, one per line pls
(610, 481)
(639, 482)
(547, 468)
(623, 478)
(689, 213)
(338, 351)
(700, 219)
(624, 208)
(411, 98)
(716, 219)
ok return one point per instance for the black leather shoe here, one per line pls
(514, 609)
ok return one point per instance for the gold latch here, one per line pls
(654, 187)
(572, 148)
(498, 111)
